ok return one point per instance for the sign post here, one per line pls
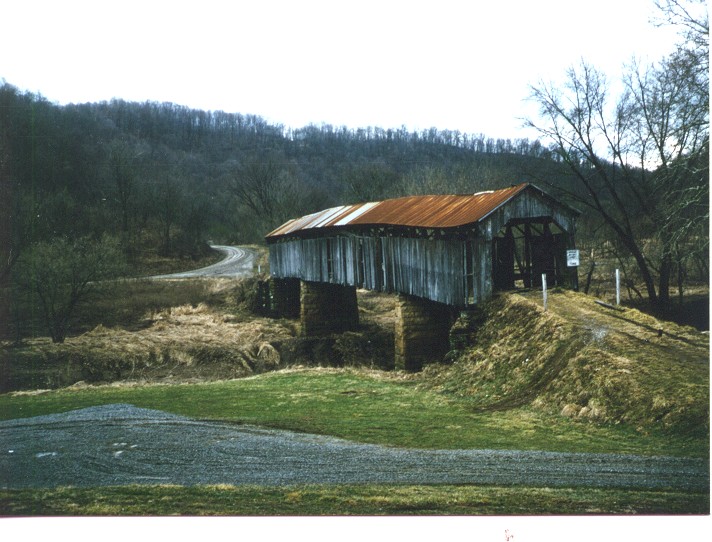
(543, 288)
(572, 261)
(618, 287)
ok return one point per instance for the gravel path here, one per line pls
(238, 262)
(121, 444)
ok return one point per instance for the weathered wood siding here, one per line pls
(482, 266)
(433, 269)
(528, 204)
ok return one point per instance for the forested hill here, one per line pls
(172, 176)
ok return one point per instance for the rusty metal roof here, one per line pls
(411, 211)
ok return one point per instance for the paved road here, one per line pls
(238, 262)
(122, 444)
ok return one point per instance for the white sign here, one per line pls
(572, 258)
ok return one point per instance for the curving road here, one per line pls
(238, 263)
(129, 445)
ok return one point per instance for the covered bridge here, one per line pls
(452, 250)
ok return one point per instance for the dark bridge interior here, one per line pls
(527, 248)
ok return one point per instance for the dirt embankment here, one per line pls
(580, 359)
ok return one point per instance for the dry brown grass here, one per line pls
(183, 343)
(584, 361)
(188, 330)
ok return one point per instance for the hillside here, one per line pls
(582, 360)
(180, 176)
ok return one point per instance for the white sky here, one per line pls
(458, 65)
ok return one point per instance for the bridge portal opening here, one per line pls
(526, 249)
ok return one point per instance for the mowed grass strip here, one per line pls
(344, 500)
(363, 406)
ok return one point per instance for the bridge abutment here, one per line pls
(422, 333)
(327, 308)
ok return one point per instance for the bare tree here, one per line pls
(168, 201)
(61, 273)
(641, 160)
(256, 183)
(122, 172)
(691, 18)
(370, 182)
(268, 187)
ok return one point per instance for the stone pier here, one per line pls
(422, 332)
(285, 297)
(327, 308)
(277, 298)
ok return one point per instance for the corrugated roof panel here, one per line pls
(326, 216)
(413, 211)
(437, 211)
(301, 223)
(312, 220)
(355, 213)
(282, 229)
(297, 224)
(349, 209)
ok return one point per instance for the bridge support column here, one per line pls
(284, 297)
(278, 298)
(327, 308)
(422, 332)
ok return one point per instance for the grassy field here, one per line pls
(365, 406)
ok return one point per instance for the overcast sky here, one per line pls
(458, 65)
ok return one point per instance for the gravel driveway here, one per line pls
(121, 444)
(238, 262)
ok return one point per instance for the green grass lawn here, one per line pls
(372, 500)
(364, 406)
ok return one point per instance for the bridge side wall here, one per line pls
(429, 268)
